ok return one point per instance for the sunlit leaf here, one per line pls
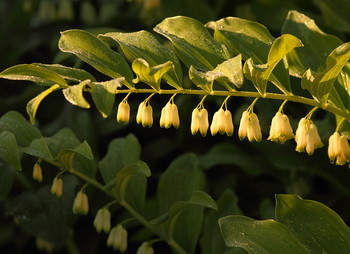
(314, 224)
(320, 84)
(260, 236)
(68, 73)
(151, 75)
(260, 74)
(230, 72)
(9, 150)
(33, 104)
(94, 52)
(74, 94)
(34, 73)
(143, 44)
(193, 45)
(253, 41)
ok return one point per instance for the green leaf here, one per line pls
(38, 148)
(63, 139)
(33, 104)
(188, 177)
(263, 237)
(252, 40)
(185, 219)
(34, 73)
(103, 99)
(15, 123)
(9, 150)
(151, 75)
(74, 94)
(212, 241)
(314, 224)
(320, 84)
(230, 72)
(42, 215)
(79, 158)
(6, 180)
(259, 75)
(121, 153)
(68, 73)
(335, 13)
(309, 56)
(130, 185)
(94, 52)
(143, 44)
(193, 45)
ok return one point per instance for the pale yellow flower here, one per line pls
(102, 220)
(249, 127)
(222, 122)
(144, 114)
(199, 121)
(339, 149)
(307, 137)
(118, 238)
(81, 203)
(37, 172)
(145, 248)
(123, 114)
(280, 130)
(57, 186)
(169, 116)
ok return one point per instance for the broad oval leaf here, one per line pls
(253, 41)
(94, 52)
(309, 56)
(260, 236)
(33, 104)
(68, 73)
(151, 75)
(38, 148)
(143, 44)
(130, 185)
(314, 224)
(193, 43)
(74, 94)
(15, 123)
(121, 153)
(9, 150)
(228, 72)
(260, 74)
(320, 84)
(34, 73)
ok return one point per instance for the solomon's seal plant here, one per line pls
(224, 60)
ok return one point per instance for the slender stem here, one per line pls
(275, 96)
(282, 105)
(87, 179)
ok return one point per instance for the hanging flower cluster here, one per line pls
(306, 136)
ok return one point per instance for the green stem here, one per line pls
(274, 96)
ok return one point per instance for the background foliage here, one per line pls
(242, 177)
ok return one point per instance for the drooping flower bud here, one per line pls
(102, 220)
(307, 137)
(145, 248)
(123, 114)
(37, 172)
(199, 121)
(118, 238)
(57, 186)
(169, 116)
(249, 127)
(81, 203)
(43, 245)
(280, 130)
(222, 122)
(338, 149)
(144, 114)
